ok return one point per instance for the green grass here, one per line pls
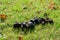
(15, 12)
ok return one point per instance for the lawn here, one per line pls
(24, 10)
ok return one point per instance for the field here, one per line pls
(14, 11)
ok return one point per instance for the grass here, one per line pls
(15, 12)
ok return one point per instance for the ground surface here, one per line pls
(15, 12)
